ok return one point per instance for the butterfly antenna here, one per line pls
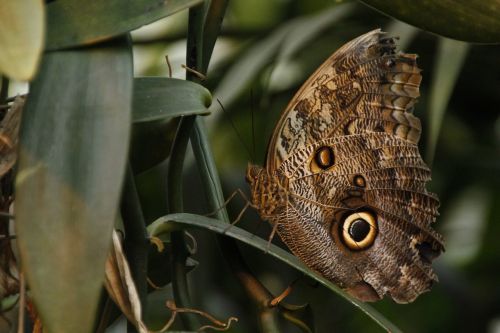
(234, 128)
(252, 111)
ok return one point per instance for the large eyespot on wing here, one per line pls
(363, 87)
(358, 230)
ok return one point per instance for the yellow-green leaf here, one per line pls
(22, 31)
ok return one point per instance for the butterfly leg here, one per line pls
(271, 237)
(231, 197)
(238, 218)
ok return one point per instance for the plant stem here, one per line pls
(179, 251)
(174, 176)
(136, 242)
(210, 178)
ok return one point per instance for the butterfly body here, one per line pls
(344, 182)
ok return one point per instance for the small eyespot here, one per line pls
(359, 181)
(359, 230)
(323, 159)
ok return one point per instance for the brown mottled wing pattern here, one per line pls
(363, 87)
(347, 146)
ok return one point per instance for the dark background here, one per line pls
(465, 165)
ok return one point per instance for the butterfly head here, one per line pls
(252, 173)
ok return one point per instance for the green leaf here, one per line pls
(451, 56)
(157, 136)
(284, 42)
(156, 101)
(305, 29)
(468, 20)
(22, 32)
(73, 147)
(248, 67)
(211, 29)
(173, 221)
(157, 98)
(69, 23)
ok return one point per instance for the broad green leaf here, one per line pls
(72, 155)
(70, 23)
(158, 98)
(173, 222)
(468, 20)
(150, 144)
(451, 56)
(156, 101)
(22, 32)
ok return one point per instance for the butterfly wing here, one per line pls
(356, 208)
(363, 87)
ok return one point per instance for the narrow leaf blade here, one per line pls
(451, 56)
(169, 222)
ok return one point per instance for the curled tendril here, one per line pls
(217, 324)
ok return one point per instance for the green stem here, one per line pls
(179, 251)
(256, 291)
(194, 52)
(208, 171)
(174, 176)
(212, 27)
(136, 242)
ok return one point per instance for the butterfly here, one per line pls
(344, 184)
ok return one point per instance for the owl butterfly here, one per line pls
(344, 182)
